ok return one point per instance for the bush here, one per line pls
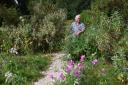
(44, 31)
(105, 39)
(110, 6)
(9, 16)
(101, 37)
(18, 38)
(89, 17)
(98, 72)
(102, 74)
(73, 7)
(48, 29)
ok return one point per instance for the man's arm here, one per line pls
(81, 29)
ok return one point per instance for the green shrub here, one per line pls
(9, 15)
(89, 17)
(102, 37)
(105, 38)
(18, 38)
(110, 6)
(48, 29)
(100, 73)
(44, 31)
(73, 7)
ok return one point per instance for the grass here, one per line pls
(24, 69)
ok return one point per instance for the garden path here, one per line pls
(56, 66)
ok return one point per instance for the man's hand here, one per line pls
(77, 33)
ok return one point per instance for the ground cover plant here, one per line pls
(19, 70)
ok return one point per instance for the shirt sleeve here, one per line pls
(82, 26)
(71, 28)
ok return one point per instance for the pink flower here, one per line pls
(51, 75)
(77, 72)
(61, 76)
(82, 58)
(94, 61)
(69, 69)
(71, 62)
(80, 66)
(70, 66)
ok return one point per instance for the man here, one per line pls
(77, 27)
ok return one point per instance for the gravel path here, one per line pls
(56, 66)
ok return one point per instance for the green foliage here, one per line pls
(119, 5)
(97, 5)
(21, 70)
(102, 73)
(102, 36)
(9, 15)
(105, 37)
(43, 32)
(89, 17)
(110, 6)
(48, 29)
(18, 38)
(81, 45)
(73, 7)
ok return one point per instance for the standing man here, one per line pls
(77, 27)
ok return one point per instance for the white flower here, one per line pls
(9, 76)
(20, 17)
(13, 51)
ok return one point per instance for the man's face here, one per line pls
(78, 19)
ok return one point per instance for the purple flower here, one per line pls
(77, 72)
(82, 58)
(51, 75)
(80, 66)
(61, 76)
(94, 61)
(69, 68)
(71, 62)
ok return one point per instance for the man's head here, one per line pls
(77, 18)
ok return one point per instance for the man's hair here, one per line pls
(76, 17)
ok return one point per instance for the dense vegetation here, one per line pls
(104, 41)
(43, 26)
(19, 70)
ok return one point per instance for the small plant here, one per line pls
(72, 72)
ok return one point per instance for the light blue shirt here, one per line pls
(75, 27)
